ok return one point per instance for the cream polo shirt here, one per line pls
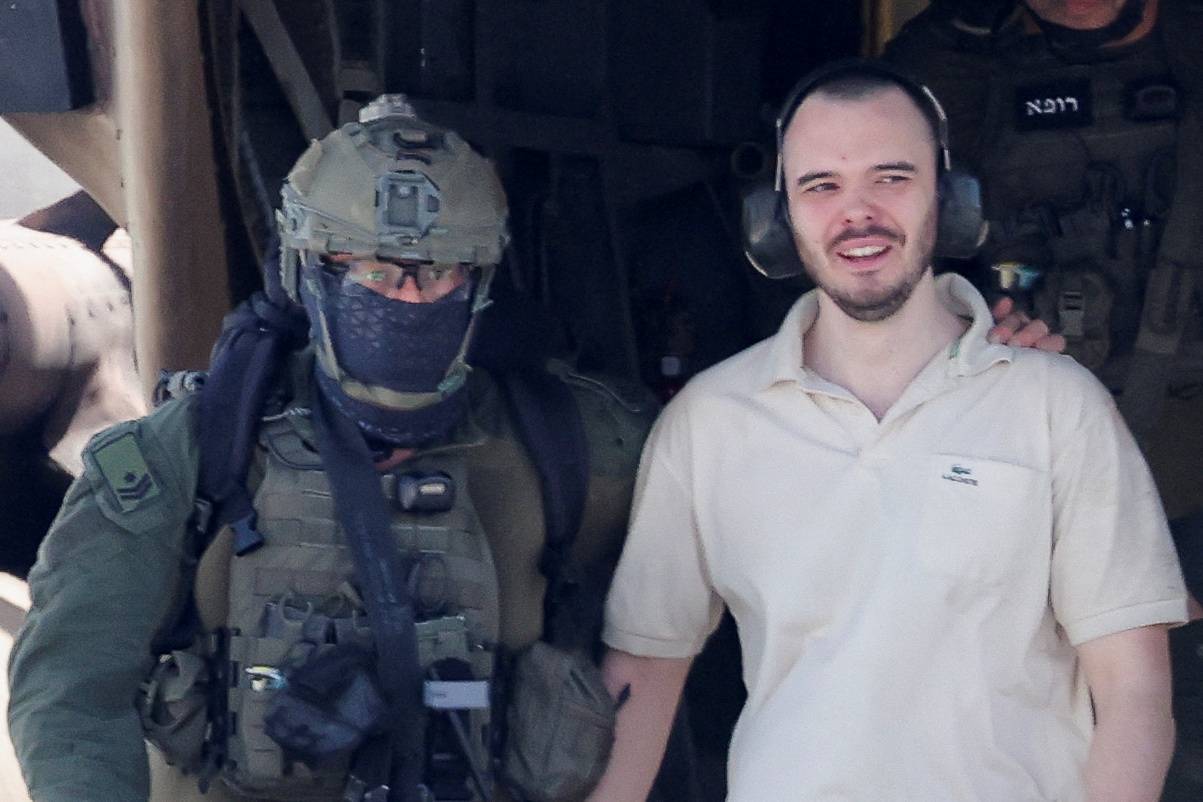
(908, 592)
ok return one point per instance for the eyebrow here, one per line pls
(905, 167)
(806, 178)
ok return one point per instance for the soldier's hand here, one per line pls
(1013, 327)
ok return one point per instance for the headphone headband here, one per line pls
(854, 68)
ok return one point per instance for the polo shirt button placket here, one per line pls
(874, 457)
(865, 426)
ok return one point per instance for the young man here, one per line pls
(937, 550)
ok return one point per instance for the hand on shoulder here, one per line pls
(1013, 327)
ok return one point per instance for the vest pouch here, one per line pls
(328, 706)
(173, 707)
(560, 722)
(260, 670)
(1077, 302)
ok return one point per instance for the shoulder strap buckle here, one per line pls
(246, 537)
(202, 515)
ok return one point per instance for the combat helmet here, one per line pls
(391, 187)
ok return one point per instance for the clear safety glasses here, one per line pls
(429, 280)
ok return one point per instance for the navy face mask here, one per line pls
(398, 345)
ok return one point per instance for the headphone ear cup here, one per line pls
(767, 239)
(961, 228)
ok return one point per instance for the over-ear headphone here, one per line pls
(768, 240)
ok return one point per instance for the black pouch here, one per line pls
(560, 722)
(328, 706)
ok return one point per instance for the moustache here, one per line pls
(867, 231)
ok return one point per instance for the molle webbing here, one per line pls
(298, 593)
(1114, 198)
(1180, 24)
(1174, 279)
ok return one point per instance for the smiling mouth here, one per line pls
(865, 247)
(863, 252)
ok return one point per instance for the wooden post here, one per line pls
(180, 275)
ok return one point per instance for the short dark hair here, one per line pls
(855, 79)
(854, 86)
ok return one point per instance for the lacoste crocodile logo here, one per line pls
(961, 475)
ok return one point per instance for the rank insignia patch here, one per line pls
(125, 472)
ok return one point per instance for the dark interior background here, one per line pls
(625, 132)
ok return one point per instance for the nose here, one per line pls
(859, 208)
(407, 291)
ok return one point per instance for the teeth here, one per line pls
(868, 250)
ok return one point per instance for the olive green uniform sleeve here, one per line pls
(617, 415)
(505, 490)
(108, 577)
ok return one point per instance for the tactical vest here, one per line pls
(295, 597)
(1079, 174)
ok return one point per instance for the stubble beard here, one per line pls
(871, 306)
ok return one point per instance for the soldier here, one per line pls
(1083, 121)
(250, 668)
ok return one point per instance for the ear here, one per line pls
(961, 229)
(767, 239)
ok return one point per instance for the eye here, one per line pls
(366, 271)
(823, 186)
(438, 272)
(893, 178)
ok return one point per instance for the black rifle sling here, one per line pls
(549, 423)
(255, 338)
(361, 509)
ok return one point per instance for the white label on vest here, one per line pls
(448, 695)
(1047, 106)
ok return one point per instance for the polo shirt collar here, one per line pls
(969, 355)
(785, 349)
(972, 353)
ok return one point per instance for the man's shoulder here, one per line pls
(713, 393)
(135, 492)
(171, 427)
(138, 468)
(1067, 386)
(932, 34)
(925, 30)
(741, 374)
(616, 413)
(1054, 367)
